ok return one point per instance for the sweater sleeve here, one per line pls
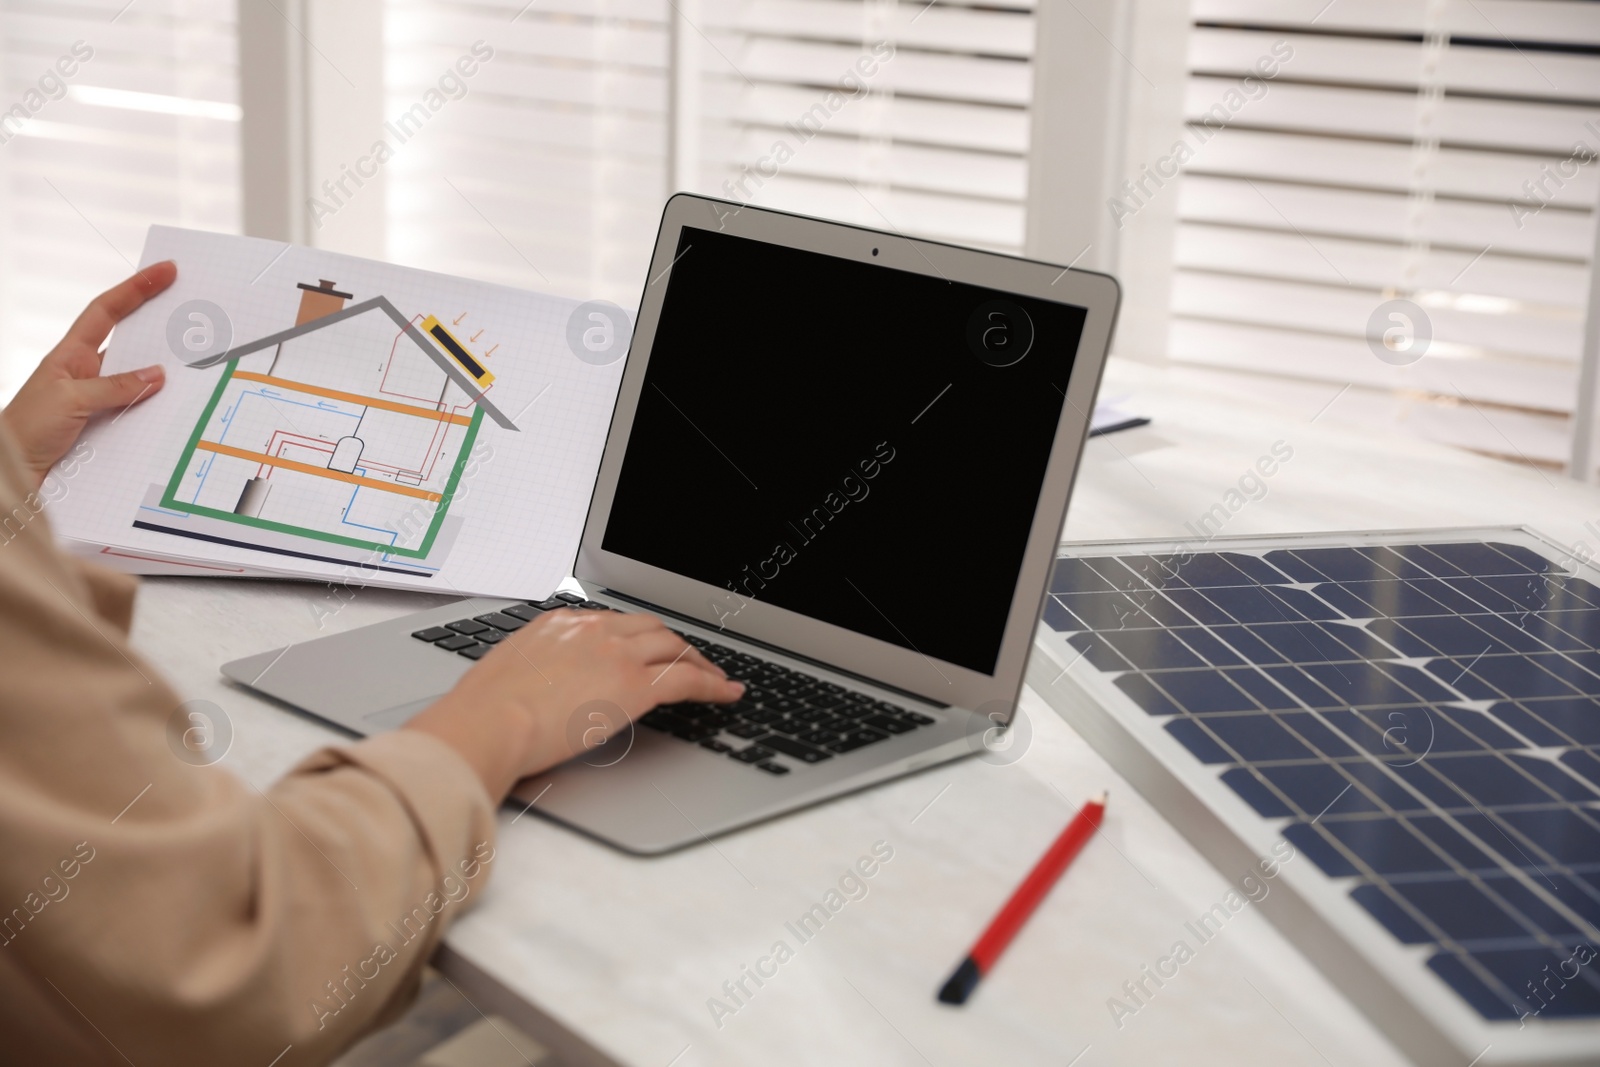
(157, 910)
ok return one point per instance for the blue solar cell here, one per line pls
(1545, 722)
(1394, 562)
(1392, 914)
(1534, 904)
(1204, 690)
(1537, 977)
(1058, 618)
(1460, 595)
(1512, 676)
(1491, 557)
(1386, 846)
(1377, 684)
(1569, 671)
(1582, 625)
(1256, 568)
(1302, 685)
(1119, 577)
(1075, 576)
(1252, 604)
(1256, 793)
(1584, 764)
(1257, 737)
(1124, 611)
(1444, 836)
(1481, 727)
(1493, 780)
(1305, 642)
(1462, 910)
(1321, 850)
(1205, 569)
(1545, 592)
(1391, 598)
(1563, 834)
(1296, 568)
(1152, 649)
(1195, 604)
(1485, 595)
(1147, 696)
(1207, 647)
(1450, 636)
(1263, 690)
(1248, 645)
(1416, 731)
(1428, 561)
(1098, 652)
(1382, 782)
(1318, 789)
(1200, 744)
(1485, 996)
(1514, 633)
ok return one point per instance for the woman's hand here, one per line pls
(55, 403)
(514, 713)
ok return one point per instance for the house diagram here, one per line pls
(343, 437)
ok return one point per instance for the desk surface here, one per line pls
(609, 958)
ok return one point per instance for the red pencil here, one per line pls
(1033, 889)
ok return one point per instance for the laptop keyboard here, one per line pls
(783, 712)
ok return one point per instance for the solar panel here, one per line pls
(1417, 714)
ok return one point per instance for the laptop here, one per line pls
(838, 465)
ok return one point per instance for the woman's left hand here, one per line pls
(55, 403)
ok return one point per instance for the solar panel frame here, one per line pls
(1439, 812)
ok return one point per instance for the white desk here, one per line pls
(607, 958)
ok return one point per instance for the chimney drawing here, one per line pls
(319, 300)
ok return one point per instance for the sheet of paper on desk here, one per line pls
(331, 417)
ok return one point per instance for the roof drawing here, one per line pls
(381, 303)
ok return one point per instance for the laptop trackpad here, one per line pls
(395, 717)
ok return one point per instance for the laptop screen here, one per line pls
(859, 444)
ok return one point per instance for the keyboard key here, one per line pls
(549, 605)
(457, 642)
(693, 731)
(525, 612)
(501, 621)
(791, 747)
(753, 754)
(854, 740)
(855, 711)
(790, 726)
(858, 698)
(783, 704)
(824, 699)
(467, 626)
(889, 709)
(492, 637)
(570, 598)
(760, 715)
(661, 720)
(695, 639)
(716, 746)
(773, 768)
(477, 651)
(433, 633)
(746, 730)
(919, 718)
(830, 687)
(820, 738)
(594, 605)
(889, 724)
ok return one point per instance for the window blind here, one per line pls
(113, 117)
(548, 172)
(905, 116)
(1442, 152)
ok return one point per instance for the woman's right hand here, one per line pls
(512, 715)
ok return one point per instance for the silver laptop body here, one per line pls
(958, 553)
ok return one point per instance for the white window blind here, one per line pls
(891, 115)
(549, 173)
(113, 117)
(1403, 151)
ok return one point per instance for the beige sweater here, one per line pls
(155, 912)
